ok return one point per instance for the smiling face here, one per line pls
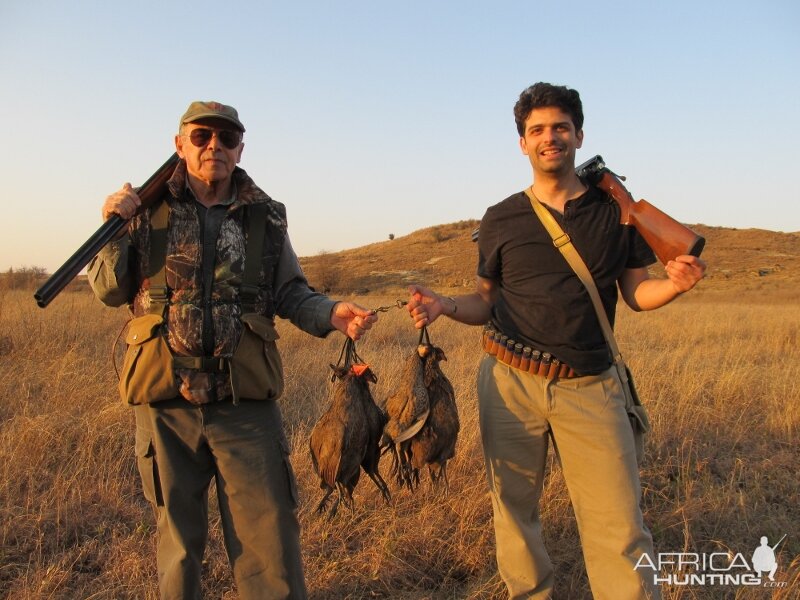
(549, 141)
(213, 162)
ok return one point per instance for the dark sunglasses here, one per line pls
(201, 136)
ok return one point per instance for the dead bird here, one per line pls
(407, 410)
(423, 421)
(346, 437)
(376, 421)
(435, 443)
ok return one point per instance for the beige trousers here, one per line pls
(180, 447)
(586, 419)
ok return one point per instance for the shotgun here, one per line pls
(152, 190)
(663, 234)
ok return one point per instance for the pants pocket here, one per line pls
(148, 467)
(290, 478)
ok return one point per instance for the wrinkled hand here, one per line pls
(685, 271)
(124, 203)
(352, 320)
(424, 305)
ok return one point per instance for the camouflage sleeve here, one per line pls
(109, 273)
(296, 300)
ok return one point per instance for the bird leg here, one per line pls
(438, 473)
(381, 485)
(324, 501)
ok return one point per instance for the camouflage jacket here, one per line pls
(117, 277)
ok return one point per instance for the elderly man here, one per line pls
(204, 271)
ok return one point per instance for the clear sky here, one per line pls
(368, 117)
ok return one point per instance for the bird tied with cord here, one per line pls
(423, 422)
(345, 438)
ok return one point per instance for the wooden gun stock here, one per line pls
(663, 234)
(150, 192)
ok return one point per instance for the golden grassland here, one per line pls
(719, 376)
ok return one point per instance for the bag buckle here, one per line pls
(561, 240)
(159, 294)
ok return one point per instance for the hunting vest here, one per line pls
(203, 319)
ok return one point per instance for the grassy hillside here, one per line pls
(718, 371)
(444, 256)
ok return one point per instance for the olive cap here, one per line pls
(206, 110)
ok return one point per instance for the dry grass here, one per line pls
(719, 376)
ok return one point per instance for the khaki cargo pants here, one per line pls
(180, 447)
(594, 441)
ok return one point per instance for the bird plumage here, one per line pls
(345, 438)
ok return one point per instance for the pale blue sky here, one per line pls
(370, 118)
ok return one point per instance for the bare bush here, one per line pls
(22, 278)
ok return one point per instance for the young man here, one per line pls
(528, 291)
(202, 369)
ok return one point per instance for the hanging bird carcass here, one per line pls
(435, 443)
(423, 419)
(406, 410)
(346, 437)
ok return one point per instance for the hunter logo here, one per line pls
(764, 560)
(715, 568)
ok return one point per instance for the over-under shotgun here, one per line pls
(664, 235)
(152, 190)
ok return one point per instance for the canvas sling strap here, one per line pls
(159, 291)
(564, 244)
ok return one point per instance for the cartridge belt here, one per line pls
(524, 358)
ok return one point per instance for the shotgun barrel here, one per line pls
(150, 192)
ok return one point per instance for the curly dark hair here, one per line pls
(541, 95)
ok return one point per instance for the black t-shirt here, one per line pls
(541, 302)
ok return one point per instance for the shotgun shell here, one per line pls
(486, 338)
(509, 352)
(536, 357)
(544, 365)
(525, 361)
(517, 358)
(494, 343)
(555, 366)
(501, 348)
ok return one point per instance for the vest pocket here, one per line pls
(147, 373)
(255, 367)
